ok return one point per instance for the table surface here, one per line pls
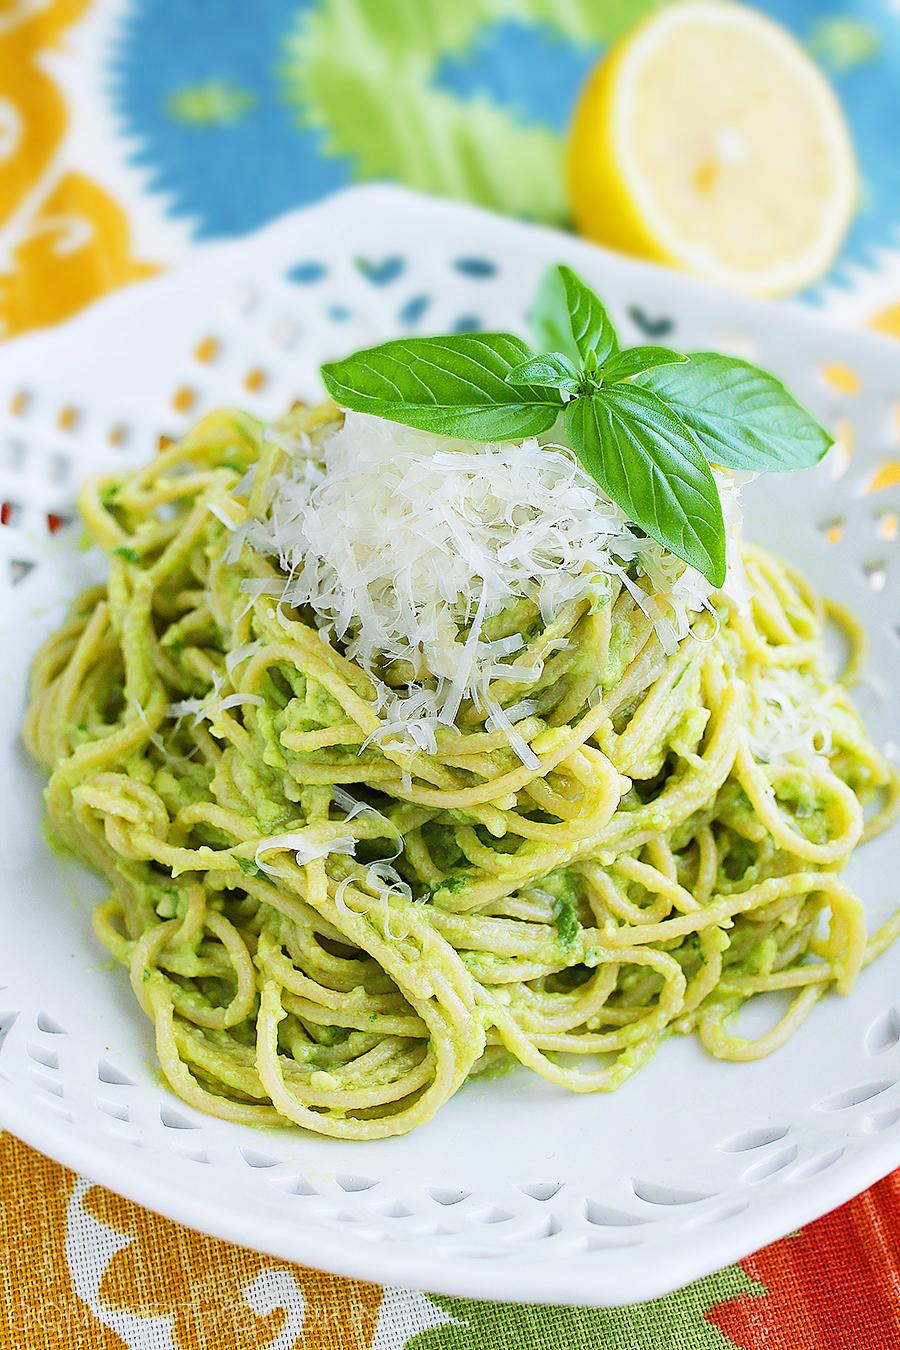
(133, 131)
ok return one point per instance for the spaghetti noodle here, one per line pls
(333, 927)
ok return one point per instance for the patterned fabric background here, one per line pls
(131, 132)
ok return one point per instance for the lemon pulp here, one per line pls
(709, 140)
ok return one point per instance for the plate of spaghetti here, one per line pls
(469, 747)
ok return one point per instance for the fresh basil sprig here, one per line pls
(645, 422)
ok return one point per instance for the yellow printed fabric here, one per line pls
(131, 131)
(67, 237)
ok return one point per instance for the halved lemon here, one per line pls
(708, 139)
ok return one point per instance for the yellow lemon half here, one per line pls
(707, 139)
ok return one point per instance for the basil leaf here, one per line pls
(592, 329)
(553, 370)
(643, 458)
(550, 317)
(568, 317)
(636, 359)
(741, 417)
(454, 386)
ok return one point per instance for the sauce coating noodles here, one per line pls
(334, 929)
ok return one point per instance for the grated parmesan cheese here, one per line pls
(305, 845)
(405, 544)
(212, 703)
(790, 714)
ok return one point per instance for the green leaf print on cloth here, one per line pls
(676, 1322)
(388, 114)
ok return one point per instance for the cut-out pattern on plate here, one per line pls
(884, 1033)
(770, 1165)
(819, 1163)
(108, 1073)
(854, 1096)
(753, 1139)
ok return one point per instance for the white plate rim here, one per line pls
(390, 1263)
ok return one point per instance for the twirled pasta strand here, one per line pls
(651, 874)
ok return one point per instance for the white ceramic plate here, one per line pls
(516, 1190)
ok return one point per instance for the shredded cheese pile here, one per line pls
(404, 544)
